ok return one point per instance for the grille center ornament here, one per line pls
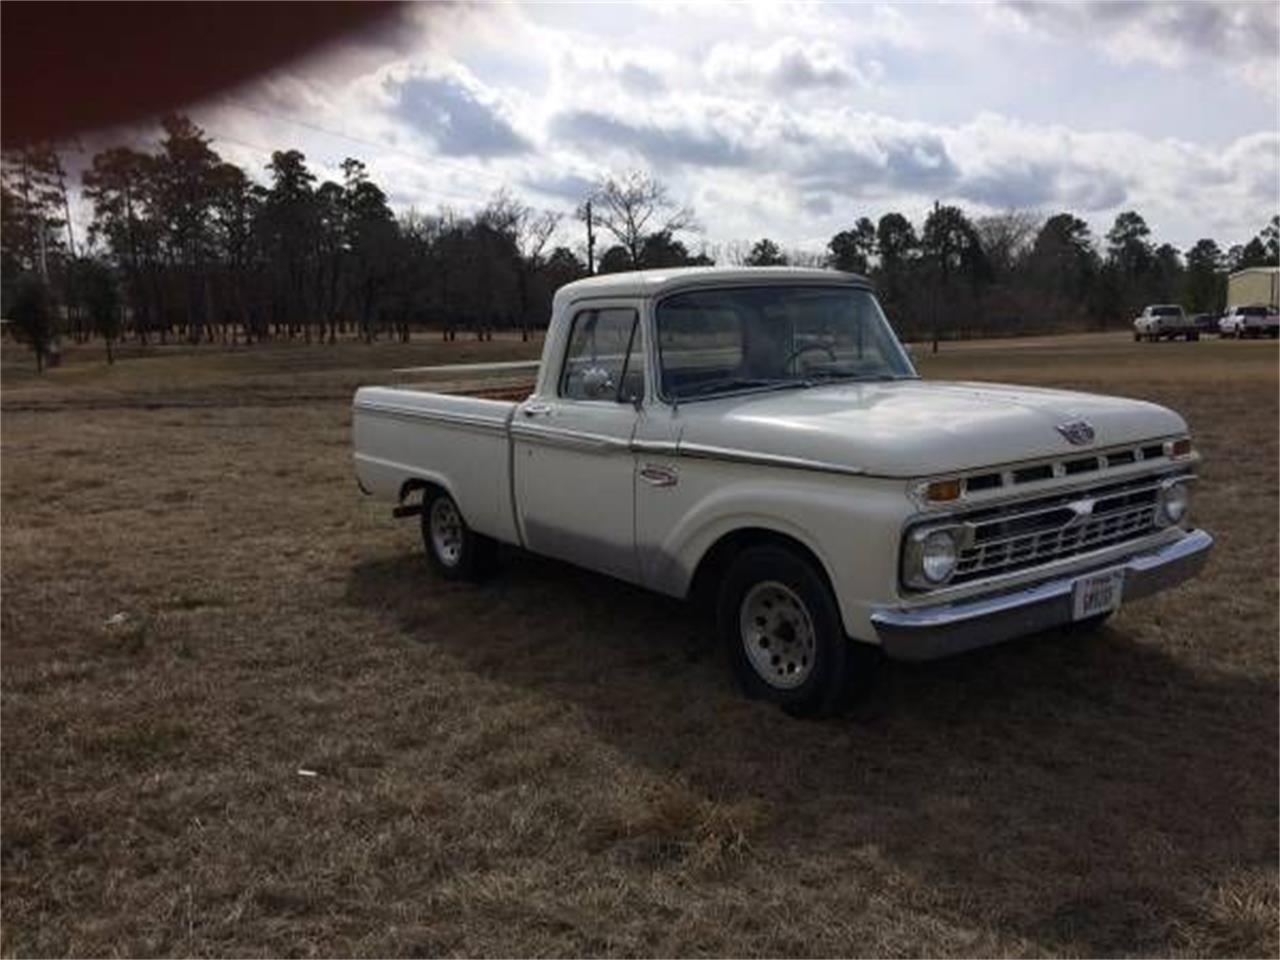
(1077, 432)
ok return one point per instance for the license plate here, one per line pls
(1097, 593)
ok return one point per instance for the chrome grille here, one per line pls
(1099, 462)
(1033, 532)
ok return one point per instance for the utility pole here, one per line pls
(591, 241)
(44, 258)
(943, 268)
(66, 205)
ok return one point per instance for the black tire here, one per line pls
(835, 669)
(1137, 337)
(462, 554)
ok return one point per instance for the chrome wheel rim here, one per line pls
(446, 531)
(777, 634)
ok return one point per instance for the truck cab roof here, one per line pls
(652, 283)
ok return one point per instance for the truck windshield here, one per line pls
(1166, 312)
(712, 342)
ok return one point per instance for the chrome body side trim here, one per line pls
(462, 420)
(662, 448)
(575, 439)
(703, 452)
(926, 633)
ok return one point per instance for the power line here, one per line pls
(423, 159)
(385, 148)
(268, 151)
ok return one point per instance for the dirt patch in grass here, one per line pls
(199, 611)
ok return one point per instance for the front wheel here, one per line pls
(455, 550)
(781, 627)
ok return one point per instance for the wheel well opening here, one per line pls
(412, 485)
(714, 563)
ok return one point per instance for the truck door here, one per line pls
(574, 470)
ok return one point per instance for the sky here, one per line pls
(792, 120)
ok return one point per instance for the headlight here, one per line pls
(938, 556)
(930, 557)
(1175, 503)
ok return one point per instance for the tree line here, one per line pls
(184, 245)
(1020, 272)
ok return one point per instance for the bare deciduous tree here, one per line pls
(634, 206)
(1007, 237)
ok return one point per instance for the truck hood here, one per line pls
(915, 428)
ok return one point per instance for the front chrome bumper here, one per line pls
(926, 633)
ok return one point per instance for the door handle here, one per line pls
(536, 409)
(658, 475)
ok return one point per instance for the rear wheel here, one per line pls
(455, 550)
(782, 629)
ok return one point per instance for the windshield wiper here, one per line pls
(729, 384)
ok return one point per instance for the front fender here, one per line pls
(852, 525)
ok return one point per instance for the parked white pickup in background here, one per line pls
(1164, 322)
(1250, 321)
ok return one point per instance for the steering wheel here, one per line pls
(804, 348)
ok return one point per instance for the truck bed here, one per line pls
(456, 435)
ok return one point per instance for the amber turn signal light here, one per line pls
(941, 491)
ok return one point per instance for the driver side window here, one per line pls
(604, 360)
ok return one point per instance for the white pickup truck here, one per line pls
(1254, 320)
(1164, 321)
(758, 438)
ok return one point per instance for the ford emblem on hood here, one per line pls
(1077, 432)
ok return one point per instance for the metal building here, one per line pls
(1254, 285)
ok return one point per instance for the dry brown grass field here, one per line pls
(197, 603)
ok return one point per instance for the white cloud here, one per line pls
(461, 118)
(787, 65)
(792, 121)
(1240, 38)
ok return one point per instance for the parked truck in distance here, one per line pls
(1255, 320)
(757, 438)
(1164, 321)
